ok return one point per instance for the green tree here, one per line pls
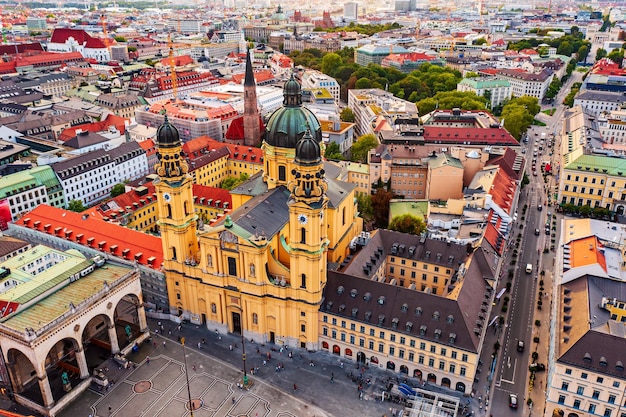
(132, 48)
(365, 207)
(452, 99)
(565, 48)
(554, 88)
(380, 206)
(471, 74)
(569, 99)
(120, 39)
(331, 62)
(617, 56)
(362, 146)
(363, 83)
(600, 53)
(76, 205)
(582, 53)
(333, 152)
(347, 115)
(232, 182)
(407, 223)
(118, 189)
(480, 41)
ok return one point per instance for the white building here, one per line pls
(89, 177)
(370, 104)
(596, 102)
(527, 83)
(76, 40)
(498, 91)
(315, 79)
(351, 11)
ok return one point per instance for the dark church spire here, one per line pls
(251, 127)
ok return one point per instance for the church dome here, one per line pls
(308, 151)
(167, 135)
(287, 125)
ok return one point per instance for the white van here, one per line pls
(529, 268)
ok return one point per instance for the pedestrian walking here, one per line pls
(295, 387)
(147, 360)
(199, 345)
(234, 400)
(164, 344)
(203, 341)
(332, 378)
(230, 347)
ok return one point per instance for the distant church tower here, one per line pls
(251, 129)
(177, 219)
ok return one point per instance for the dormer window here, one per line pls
(418, 311)
(394, 323)
(355, 311)
(436, 315)
(367, 296)
(381, 319)
(368, 315)
(450, 319)
(329, 305)
(381, 300)
(452, 338)
(437, 334)
(353, 293)
(404, 308)
(340, 289)
(423, 329)
(408, 326)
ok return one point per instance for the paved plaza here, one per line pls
(157, 385)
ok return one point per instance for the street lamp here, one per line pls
(182, 342)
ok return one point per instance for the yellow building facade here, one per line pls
(259, 271)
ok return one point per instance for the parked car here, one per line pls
(536, 232)
(513, 400)
(537, 367)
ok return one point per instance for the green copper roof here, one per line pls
(600, 164)
(479, 83)
(30, 178)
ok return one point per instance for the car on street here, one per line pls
(547, 231)
(536, 232)
(520, 345)
(539, 207)
(513, 400)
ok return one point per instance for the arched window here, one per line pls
(255, 318)
(213, 308)
(343, 216)
(303, 282)
(173, 253)
(186, 207)
(169, 211)
(303, 235)
(282, 173)
(209, 260)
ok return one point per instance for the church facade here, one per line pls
(261, 270)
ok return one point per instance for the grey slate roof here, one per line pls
(85, 139)
(265, 214)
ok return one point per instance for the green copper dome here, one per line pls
(287, 125)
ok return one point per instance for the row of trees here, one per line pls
(361, 29)
(518, 114)
(565, 45)
(415, 86)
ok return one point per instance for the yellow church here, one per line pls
(261, 270)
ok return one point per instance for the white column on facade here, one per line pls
(82, 362)
(46, 392)
(115, 346)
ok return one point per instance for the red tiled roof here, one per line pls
(88, 230)
(235, 130)
(506, 162)
(471, 135)
(7, 67)
(47, 57)
(495, 239)
(82, 37)
(209, 196)
(179, 61)
(260, 76)
(503, 191)
(149, 146)
(20, 47)
(528, 51)
(607, 66)
(111, 120)
(237, 152)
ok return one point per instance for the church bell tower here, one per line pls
(251, 128)
(176, 215)
(307, 218)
